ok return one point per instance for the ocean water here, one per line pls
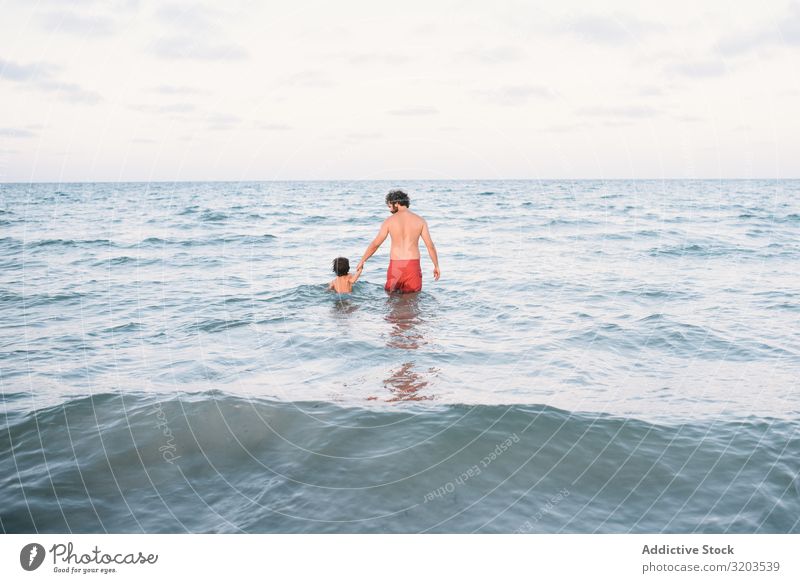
(598, 356)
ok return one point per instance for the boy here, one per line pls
(343, 283)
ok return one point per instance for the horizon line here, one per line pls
(225, 181)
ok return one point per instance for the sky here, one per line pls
(124, 90)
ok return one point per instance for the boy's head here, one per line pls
(397, 198)
(341, 266)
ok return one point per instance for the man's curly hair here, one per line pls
(399, 197)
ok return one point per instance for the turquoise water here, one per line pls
(598, 356)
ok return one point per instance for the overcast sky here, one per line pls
(139, 90)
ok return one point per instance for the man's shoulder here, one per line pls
(414, 217)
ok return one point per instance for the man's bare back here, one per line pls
(405, 229)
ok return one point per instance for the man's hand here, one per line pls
(436, 273)
(360, 266)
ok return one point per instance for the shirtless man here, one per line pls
(404, 273)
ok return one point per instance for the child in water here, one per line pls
(343, 283)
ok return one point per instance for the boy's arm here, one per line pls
(376, 243)
(354, 278)
(426, 237)
(330, 286)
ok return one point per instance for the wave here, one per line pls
(211, 325)
(676, 338)
(303, 295)
(213, 462)
(10, 243)
(124, 260)
(209, 216)
(570, 222)
(699, 250)
(43, 299)
(70, 243)
(215, 240)
(656, 293)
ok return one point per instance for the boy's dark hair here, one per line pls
(399, 197)
(341, 265)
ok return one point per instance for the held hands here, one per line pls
(436, 273)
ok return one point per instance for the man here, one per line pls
(405, 228)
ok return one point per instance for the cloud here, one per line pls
(610, 30)
(189, 17)
(73, 23)
(624, 112)
(734, 45)
(651, 91)
(16, 133)
(358, 136)
(116, 5)
(16, 72)
(179, 90)
(697, 69)
(165, 108)
(188, 112)
(377, 58)
(195, 34)
(42, 76)
(410, 111)
(517, 94)
(617, 123)
(492, 55)
(70, 92)
(222, 121)
(196, 48)
(688, 118)
(307, 79)
(785, 32)
(272, 127)
(565, 128)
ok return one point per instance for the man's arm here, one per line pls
(376, 243)
(426, 237)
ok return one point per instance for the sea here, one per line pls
(598, 356)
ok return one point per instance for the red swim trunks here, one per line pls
(403, 275)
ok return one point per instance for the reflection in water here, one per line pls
(405, 384)
(343, 306)
(404, 317)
